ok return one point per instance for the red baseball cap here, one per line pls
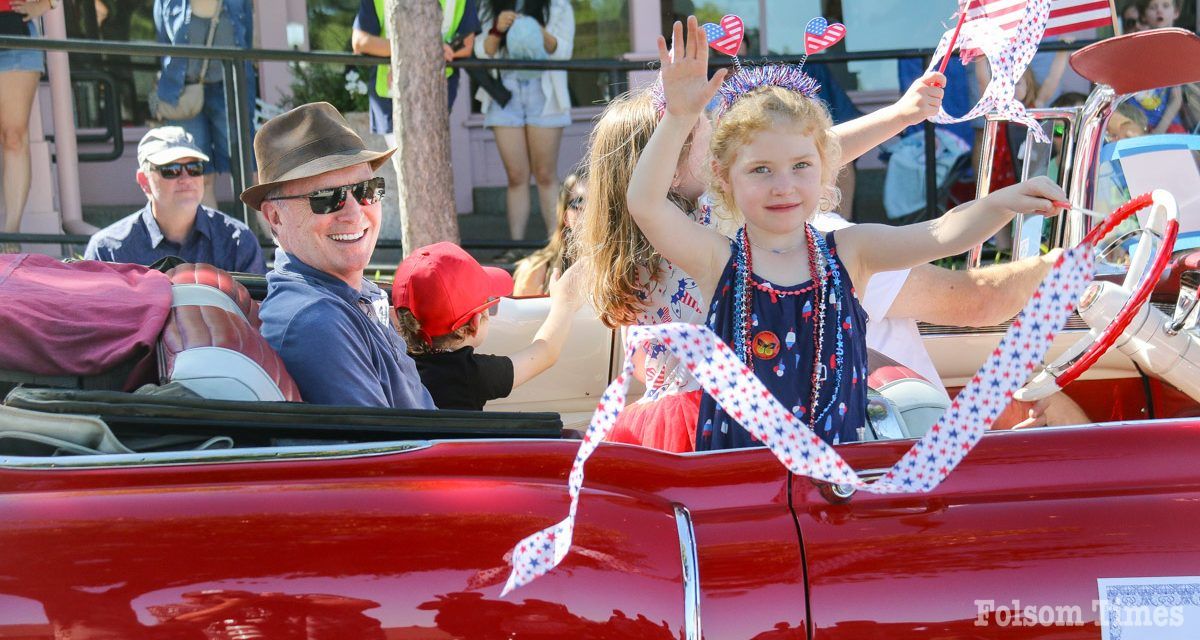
(444, 287)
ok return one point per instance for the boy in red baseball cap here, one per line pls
(443, 298)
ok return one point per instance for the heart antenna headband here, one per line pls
(726, 37)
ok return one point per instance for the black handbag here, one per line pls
(483, 79)
(491, 84)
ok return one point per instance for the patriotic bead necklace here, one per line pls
(827, 282)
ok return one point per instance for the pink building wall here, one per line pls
(474, 156)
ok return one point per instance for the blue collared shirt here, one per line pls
(337, 342)
(215, 239)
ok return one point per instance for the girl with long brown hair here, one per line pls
(534, 273)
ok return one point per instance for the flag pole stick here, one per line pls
(962, 16)
(1116, 18)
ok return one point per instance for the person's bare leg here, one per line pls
(19, 90)
(210, 191)
(515, 155)
(543, 158)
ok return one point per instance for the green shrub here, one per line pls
(343, 87)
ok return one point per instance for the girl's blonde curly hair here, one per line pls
(762, 109)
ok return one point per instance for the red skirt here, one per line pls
(666, 424)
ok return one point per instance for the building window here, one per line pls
(601, 31)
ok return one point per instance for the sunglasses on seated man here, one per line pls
(171, 171)
(330, 200)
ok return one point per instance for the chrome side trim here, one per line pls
(691, 573)
(222, 456)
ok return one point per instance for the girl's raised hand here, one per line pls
(923, 99)
(685, 70)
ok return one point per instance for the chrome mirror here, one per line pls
(1189, 281)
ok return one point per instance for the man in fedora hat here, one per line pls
(174, 222)
(328, 323)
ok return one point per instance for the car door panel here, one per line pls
(1032, 516)
(399, 542)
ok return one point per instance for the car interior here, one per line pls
(220, 386)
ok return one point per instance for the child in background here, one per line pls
(1127, 121)
(443, 299)
(533, 274)
(774, 163)
(1131, 18)
(1161, 105)
(631, 284)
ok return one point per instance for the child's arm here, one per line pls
(692, 247)
(1174, 103)
(919, 103)
(867, 249)
(565, 300)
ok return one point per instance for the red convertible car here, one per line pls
(221, 512)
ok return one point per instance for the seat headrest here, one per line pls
(191, 276)
(217, 354)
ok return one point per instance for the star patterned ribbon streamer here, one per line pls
(1008, 56)
(743, 396)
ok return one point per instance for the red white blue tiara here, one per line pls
(746, 79)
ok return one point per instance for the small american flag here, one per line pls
(819, 35)
(1066, 16)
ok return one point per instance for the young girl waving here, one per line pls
(781, 294)
(630, 283)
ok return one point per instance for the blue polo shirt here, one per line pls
(215, 239)
(338, 342)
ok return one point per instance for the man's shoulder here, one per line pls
(221, 220)
(292, 314)
(297, 302)
(121, 229)
(116, 235)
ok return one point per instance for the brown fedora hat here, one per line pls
(309, 140)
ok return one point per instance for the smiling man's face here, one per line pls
(338, 243)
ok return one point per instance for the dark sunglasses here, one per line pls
(494, 309)
(333, 199)
(176, 169)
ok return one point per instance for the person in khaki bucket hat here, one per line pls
(331, 326)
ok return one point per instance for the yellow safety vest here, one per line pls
(383, 72)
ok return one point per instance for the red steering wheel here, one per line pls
(1163, 226)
